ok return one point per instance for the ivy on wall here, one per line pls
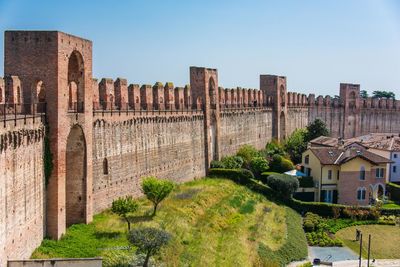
(47, 158)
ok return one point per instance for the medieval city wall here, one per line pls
(379, 116)
(240, 127)
(128, 147)
(22, 188)
(105, 136)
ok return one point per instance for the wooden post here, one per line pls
(369, 248)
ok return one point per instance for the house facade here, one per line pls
(346, 175)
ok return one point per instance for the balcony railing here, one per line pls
(14, 112)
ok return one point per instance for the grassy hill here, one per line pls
(214, 222)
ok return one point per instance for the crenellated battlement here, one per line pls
(118, 95)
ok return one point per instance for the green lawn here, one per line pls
(214, 222)
(391, 206)
(385, 240)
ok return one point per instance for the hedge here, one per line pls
(306, 182)
(241, 176)
(394, 191)
(326, 209)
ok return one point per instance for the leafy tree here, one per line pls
(247, 152)
(232, 162)
(285, 185)
(363, 94)
(274, 148)
(124, 205)
(316, 129)
(156, 190)
(296, 144)
(148, 241)
(258, 165)
(280, 164)
(383, 94)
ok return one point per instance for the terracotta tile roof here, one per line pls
(338, 156)
(384, 141)
(327, 155)
(324, 141)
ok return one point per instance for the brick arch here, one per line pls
(75, 180)
(76, 74)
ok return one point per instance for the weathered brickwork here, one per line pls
(247, 126)
(106, 135)
(22, 196)
(127, 148)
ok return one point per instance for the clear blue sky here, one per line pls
(316, 44)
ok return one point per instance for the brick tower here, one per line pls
(274, 87)
(350, 97)
(62, 64)
(204, 92)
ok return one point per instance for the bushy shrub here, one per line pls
(258, 165)
(311, 222)
(316, 231)
(241, 176)
(322, 239)
(274, 148)
(280, 164)
(284, 185)
(232, 162)
(217, 164)
(247, 152)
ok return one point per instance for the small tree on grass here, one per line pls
(148, 241)
(156, 190)
(123, 206)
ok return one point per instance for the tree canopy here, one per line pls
(383, 94)
(156, 190)
(124, 205)
(148, 241)
(316, 129)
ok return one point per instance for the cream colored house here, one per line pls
(351, 175)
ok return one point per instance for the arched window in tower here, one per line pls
(38, 92)
(352, 100)
(282, 95)
(212, 93)
(76, 74)
(105, 166)
(72, 94)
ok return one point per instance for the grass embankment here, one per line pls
(214, 222)
(385, 240)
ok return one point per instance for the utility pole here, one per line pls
(359, 258)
